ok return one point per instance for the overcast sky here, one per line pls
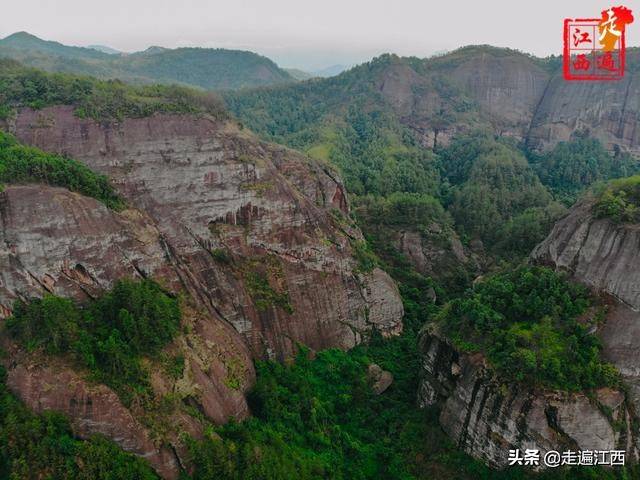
(306, 34)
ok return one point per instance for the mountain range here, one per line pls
(206, 68)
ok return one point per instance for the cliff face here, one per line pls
(605, 256)
(487, 418)
(256, 235)
(515, 95)
(209, 188)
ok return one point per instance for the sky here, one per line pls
(310, 35)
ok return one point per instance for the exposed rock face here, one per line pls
(597, 252)
(209, 187)
(516, 96)
(486, 418)
(607, 110)
(508, 88)
(92, 409)
(253, 233)
(52, 240)
(438, 253)
(605, 256)
(380, 379)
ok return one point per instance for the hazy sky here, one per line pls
(306, 34)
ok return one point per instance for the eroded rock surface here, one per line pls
(605, 256)
(514, 94)
(487, 418)
(258, 237)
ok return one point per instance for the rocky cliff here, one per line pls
(256, 236)
(521, 96)
(487, 418)
(605, 256)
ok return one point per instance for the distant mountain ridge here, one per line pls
(211, 69)
(105, 49)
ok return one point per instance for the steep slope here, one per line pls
(211, 69)
(607, 111)
(486, 417)
(513, 93)
(257, 237)
(61, 242)
(604, 255)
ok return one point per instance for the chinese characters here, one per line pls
(553, 458)
(594, 48)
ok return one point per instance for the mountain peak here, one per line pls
(21, 37)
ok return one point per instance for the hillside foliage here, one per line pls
(20, 164)
(108, 337)
(619, 200)
(98, 99)
(202, 68)
(526, 321)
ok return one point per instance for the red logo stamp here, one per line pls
(594, 48)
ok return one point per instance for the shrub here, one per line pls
(21, 164)
(525, 321)
(619, 200)
(108, 336)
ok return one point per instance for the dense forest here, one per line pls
(202, 68)
(495, 189)
(313, 418)
(98, 99)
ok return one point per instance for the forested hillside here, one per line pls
(407, 125)
(206, 68)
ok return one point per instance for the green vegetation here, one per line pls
(365, 257)
(264, 295)
(526, 321)
(43, 446)
(571, 167)
(221, 255)
(620, 200)
(494, 192)
(204, 68)
(21, 164)
(318, 418)
(97, 99)
(343, 120)
(108, 337)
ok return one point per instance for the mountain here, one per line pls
(510, 92)
(475, 128)
(330, 71)
(299, 74)
(164, 270)
(105, 49)
(256, 239)
(211, 69)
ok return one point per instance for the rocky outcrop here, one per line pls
(92, 409)
(256, 237)
(210, 187)
(379, 379)
(52, 240)
(514, 94)
(600, 253)
(605, 110)
(487, 418)
(436, 252)
(605, 256)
